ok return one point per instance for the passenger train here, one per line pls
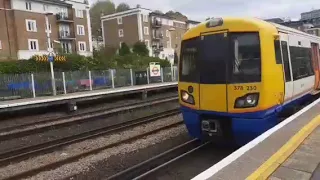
(237, 75)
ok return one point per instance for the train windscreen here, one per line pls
(221, 58)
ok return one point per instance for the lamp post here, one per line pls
(53, 83)
(171, 62)
(170, 40)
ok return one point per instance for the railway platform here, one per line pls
(290, 150)
(28, 103)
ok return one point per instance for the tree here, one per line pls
(177, 15)
(124, 49)
(140, 49)
(99, 8)
(158, 12)
(122, 7)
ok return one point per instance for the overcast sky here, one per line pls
(200, 9)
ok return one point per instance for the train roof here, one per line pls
(287, 29)
(254, 22)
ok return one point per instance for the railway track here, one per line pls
(26, 152)
(53, 123)
(155, 163)
(30, 151)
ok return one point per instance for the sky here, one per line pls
(201, 9)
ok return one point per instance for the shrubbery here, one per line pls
(105, 58)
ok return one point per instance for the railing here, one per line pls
(63, 17)
(17, 86)
(65, 34)
(156, 23)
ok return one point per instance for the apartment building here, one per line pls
(161, 33)
(23, 30)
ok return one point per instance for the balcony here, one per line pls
(157, 36)
(157, 48)
(156, 23)
(64, 18)
(66, 35)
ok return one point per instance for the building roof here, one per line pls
(55, 2)
(193, 22)
(160, 15)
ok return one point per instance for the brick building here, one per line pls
(161, 33)
(23, 31)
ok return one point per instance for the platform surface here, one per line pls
(290, 150)
(303, 163)
(48, 99)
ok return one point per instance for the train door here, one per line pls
(316, 65)
(286, 61)
(213, 58)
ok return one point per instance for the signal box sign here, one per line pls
(45, 58)
(155, 70)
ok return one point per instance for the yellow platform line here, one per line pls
(268, 167)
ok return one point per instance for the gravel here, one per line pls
(86, 163)
(82, 107)
(193, 164)
(86, 126)
(117, 163)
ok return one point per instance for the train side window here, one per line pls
(285, 56)
(301, 62)
(188, 61)
(277, 51)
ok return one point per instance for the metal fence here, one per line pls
(17, 86)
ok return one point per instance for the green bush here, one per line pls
(76, 62)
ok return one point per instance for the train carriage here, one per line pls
(236, 75)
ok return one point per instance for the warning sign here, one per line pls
(155, 70)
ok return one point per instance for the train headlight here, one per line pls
(247, 101)
(186, 97)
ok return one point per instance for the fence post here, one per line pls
(64, 83)
(148, 80)
(131, 76)
(90, 81)
(112, 78)
(33, 87)
(171, 73)
(161, 74)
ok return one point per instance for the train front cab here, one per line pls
(229, 85)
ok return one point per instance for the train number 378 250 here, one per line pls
(248, 88)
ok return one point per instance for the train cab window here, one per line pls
(246, 61)
(301, 62)
(188, 67)
(277, 51)
(286, 65)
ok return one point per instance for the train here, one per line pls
(238, 75)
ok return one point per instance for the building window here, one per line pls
(28, 6)
(80, 30)
(49, 28)
(31, 25)
(120, 44)
(79, 13)
(119, 20)
(147, 43)
(145, 18)
(82, 46)
(146, 30)
(50, 46)
(120, 32)
(168, 44)
(167, 33)
(0, 44)
(45, 7)
(33, 44)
